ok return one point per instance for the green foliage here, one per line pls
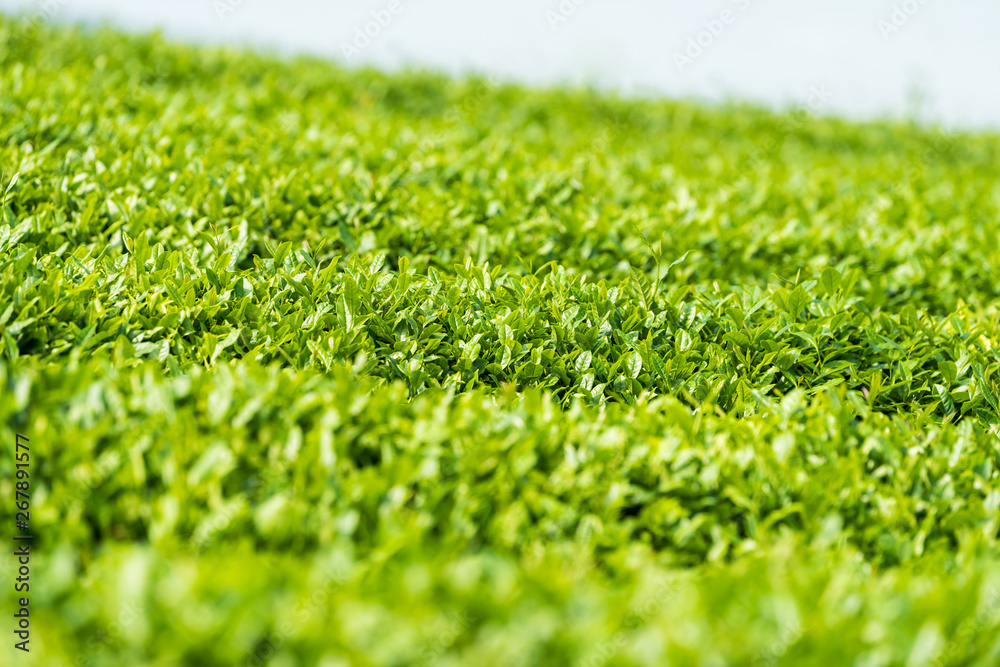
(338, 367)
(478, 326)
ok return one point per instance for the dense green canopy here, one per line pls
(334, 367)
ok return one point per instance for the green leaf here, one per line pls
(830, 281)
(634, 365)
(344, 313)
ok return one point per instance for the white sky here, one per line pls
(771, 51)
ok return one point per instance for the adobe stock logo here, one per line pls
(223, 7)
(566, 9)
(714, 28)
(901, 15)
(363, 36)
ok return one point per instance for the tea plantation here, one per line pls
(337, 367)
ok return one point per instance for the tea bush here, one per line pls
(340, 367)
